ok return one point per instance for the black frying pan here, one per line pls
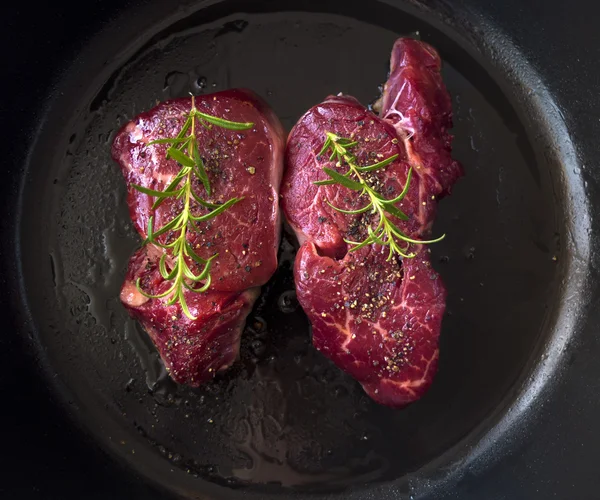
(89, 411)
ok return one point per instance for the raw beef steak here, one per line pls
(193, 350)
(245, 164)
(377, 319)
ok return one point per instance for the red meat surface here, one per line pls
(245, 164)
(378, 320)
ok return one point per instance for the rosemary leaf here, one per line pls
(192, 253)
(202, 202)
(186, 125)
(184, 306)
(377, 166)
(351, 212)
(327, 182)
(344, 181)
(158, 296)
(152, 192)
(221, 122)
(172, 224)
(325, 147)
(179, 157)
(162, 266)
(391, 209)
(357, 245)
(216, 211)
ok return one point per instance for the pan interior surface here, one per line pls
(284, 417)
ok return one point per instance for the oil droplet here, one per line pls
(258, 347)
(200, 84)
(258, 325)
(287, 302)
(470, 253)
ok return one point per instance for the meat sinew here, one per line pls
(245, 164)
(379, 319)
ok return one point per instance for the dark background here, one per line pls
(44, 457)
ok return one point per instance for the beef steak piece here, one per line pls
(246, 164)
(193, 350)
(377, 319)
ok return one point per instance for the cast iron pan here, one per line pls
(90, 412)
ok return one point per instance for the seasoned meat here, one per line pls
(245, 164)
(193, 350)
(377, 319)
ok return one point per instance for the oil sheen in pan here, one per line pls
(284, 414)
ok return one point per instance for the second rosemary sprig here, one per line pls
(385, 233)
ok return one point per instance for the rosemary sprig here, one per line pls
(386, 232)
(184, 150)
